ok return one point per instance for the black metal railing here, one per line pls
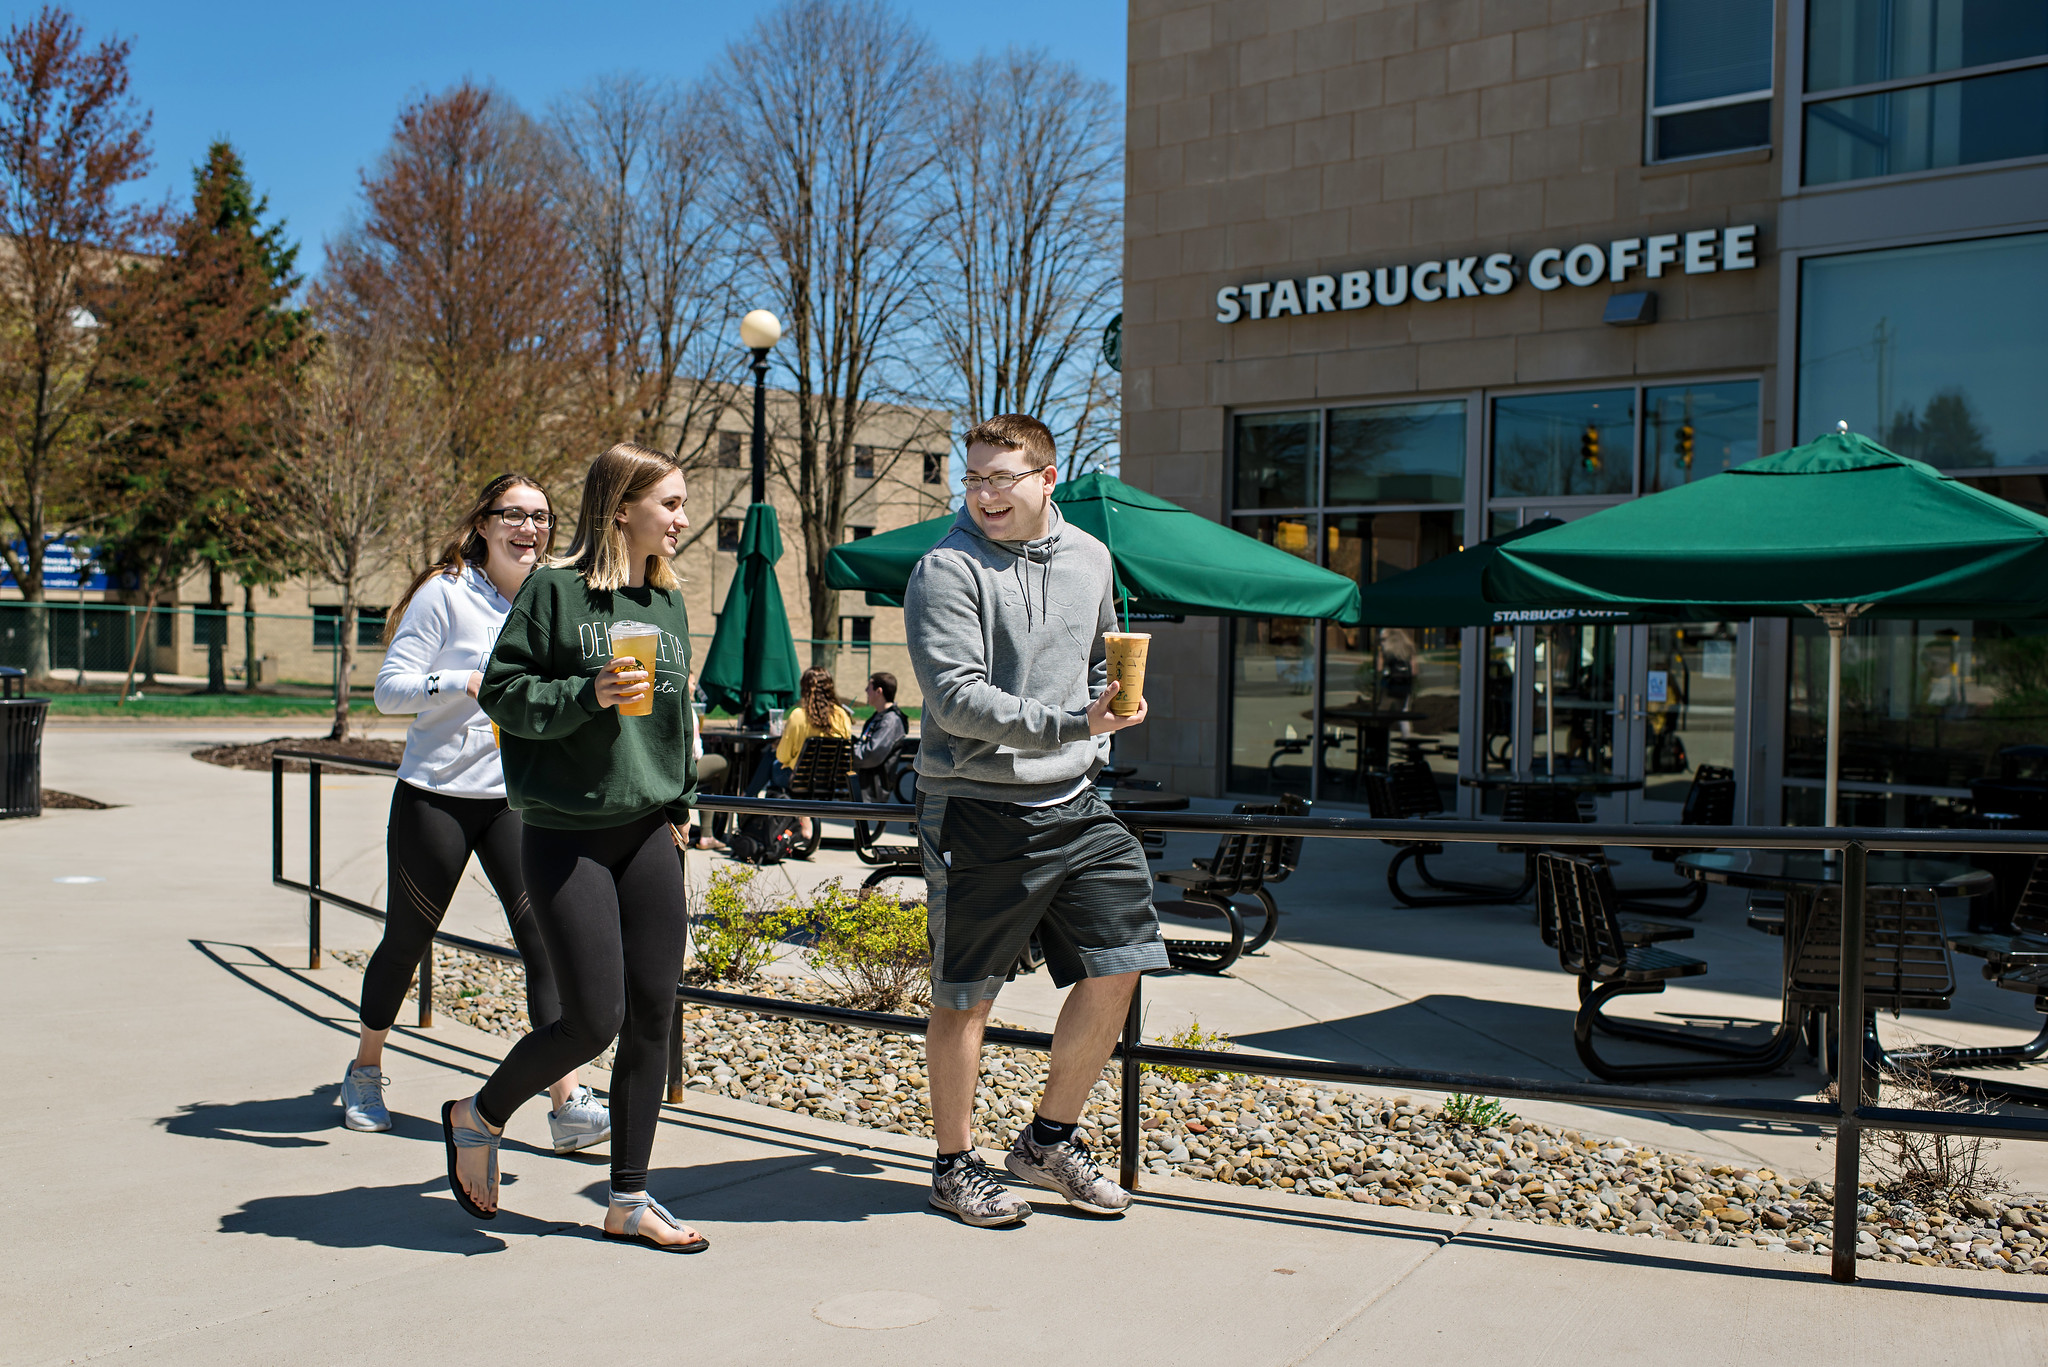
(1849, 1115)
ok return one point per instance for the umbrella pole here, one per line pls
(1838, 626)
(1550, 701)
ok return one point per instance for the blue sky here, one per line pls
(309, 92)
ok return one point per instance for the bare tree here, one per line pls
(635, 166)
(1027, 266)
(822, 112)
(463, 261)
(358, 435)
(72, 143)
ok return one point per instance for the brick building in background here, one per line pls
(1401, 274)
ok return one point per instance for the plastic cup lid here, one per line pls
(620, 629)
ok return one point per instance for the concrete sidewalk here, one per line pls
(179, 1190)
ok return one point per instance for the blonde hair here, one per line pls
(465, 545)
(620, 476)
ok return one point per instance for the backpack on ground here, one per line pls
(763, 839)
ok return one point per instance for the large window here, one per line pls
(1565, 445)
(1894, 86)
(1691, 431)
(1367, 492)
(1710, 76)
(1933, 350)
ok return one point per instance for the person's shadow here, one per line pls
(281, 1122)
(416, 1215)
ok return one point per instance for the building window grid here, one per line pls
(1658, 112)
(1808, 98)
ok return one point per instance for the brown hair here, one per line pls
(884, 681)
(821, 697)
(466, 545)
(620, 476)
(1015, 432)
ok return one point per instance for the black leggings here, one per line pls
(430, 840)
(614, 910)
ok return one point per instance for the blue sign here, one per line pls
(60, 566)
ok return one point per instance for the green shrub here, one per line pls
(735, 934)
(869, 946)
(1478, 1112)
(1193, 1036)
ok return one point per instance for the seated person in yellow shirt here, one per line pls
(819, 715)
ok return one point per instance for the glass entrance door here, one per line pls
(1681, 682)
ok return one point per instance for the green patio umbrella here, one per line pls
(1839, 528)
(751, 665)
(1168, 560)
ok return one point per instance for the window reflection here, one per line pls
(1389, 693)
(1925, 704)
(1272, 681)
(1558, 445)
(1275, 459)
(1398, 453)
(1858, 42)
(1696, 430)
(1933, 350)
(1954, 123)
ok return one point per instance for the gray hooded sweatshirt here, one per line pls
(1006, 641)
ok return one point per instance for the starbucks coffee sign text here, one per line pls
(1583, 265)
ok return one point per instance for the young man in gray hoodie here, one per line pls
(1005, 620)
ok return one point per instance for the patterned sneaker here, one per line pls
(582, 1122)
(971, 1190)
(362, 1099)
(1067, 1169)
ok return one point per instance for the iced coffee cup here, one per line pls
(642, 641)
(1126, 651)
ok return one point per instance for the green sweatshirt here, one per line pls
(569, 763)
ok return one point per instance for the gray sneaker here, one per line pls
(1067, 1169)
(971, 1190)
(362, 1099)
(582, 1122)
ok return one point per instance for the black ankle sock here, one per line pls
(946, 1162)
(1046, 1133)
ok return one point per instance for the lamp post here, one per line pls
(759, 332)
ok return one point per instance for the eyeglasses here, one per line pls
(519, 517)
(1002, 483)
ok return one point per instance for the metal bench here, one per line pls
(1906, 966)
(1404, 792)
(1238, 869)
(1592, 946)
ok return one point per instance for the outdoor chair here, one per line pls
(2017, 962)
(1710, 801)
(1635, 931)
(883, 784)
(823, 773)
(1906, 967)
(1407, 792)
(1238, 869)
(1592, 946)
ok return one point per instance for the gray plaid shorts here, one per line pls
(998, 873)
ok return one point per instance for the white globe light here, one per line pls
(760, 330)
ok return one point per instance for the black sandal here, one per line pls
(467, 1138)
(639, 1203)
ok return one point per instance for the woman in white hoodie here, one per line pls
(450, 802)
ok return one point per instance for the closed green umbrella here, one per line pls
(751, 665)
(1168, 560)
(1839, 528)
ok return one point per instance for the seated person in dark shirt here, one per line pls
(878, 739)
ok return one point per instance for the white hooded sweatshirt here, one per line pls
(445, 636)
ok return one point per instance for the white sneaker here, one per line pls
(362, 1099)
(582, 1122)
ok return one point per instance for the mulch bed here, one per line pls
(257, 756)
(53, 798)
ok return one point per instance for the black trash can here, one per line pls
(21, 745)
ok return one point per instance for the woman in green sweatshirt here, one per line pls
(600, 791)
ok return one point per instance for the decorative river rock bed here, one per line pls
(1315, 1141)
